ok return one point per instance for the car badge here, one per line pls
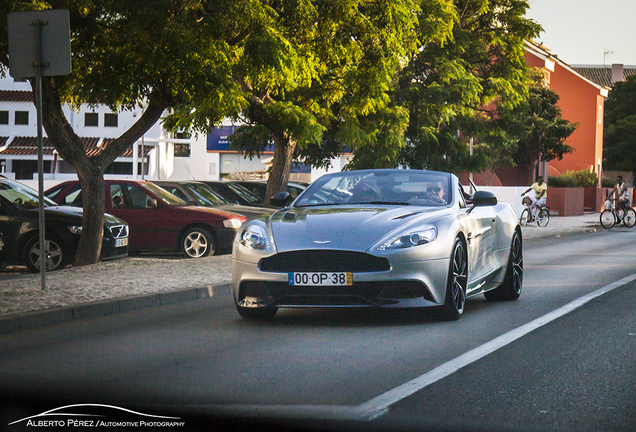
(322, 242)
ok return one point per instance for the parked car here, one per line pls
(19, 221)
(379, 238)
(235, 193)
(160, 221)
(3, 263)
(200, 194)
(259, 187)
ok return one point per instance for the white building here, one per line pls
(168, 156)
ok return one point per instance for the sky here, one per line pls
(581, 31)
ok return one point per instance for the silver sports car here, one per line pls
(380, 238)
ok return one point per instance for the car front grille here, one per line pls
(119, 231)
(324, 260)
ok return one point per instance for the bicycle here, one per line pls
(612, 216)
(543, 215)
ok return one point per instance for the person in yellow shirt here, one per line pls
(540, 195)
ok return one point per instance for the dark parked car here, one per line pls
(19, 222)
(259, 187)
(160, 221)
(200, 194)
(235, 193)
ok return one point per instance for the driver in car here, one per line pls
(435, 193)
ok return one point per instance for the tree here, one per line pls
(185, 56)
(620, 127)
(337, 65)
(539, 128)
(448, 87)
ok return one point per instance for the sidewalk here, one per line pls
(139, 282)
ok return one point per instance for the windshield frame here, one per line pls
(391, 186)
(29, 196)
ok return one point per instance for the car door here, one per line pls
(143, 214)
(481, 223)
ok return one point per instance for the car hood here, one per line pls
(248, 212)
(351, 228)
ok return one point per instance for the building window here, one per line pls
(22, 117)
(182, 150)
(91, 119)
(182, 135)
(110, 120)
(4, 117)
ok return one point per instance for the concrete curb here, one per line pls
(54, 316)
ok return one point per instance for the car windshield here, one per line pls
(204, 195)
(22, 196)
(397, 187)
(164, 195)
(243, 192)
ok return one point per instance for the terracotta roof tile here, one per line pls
(22, 146)
(15, 96)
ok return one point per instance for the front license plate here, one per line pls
(321, 278)
(121, 242)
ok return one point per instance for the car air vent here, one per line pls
(405, 215)
(324, 260)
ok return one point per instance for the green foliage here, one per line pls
(449, 85)
(608, 183)
(619, 136)
(537, 125)
(583, 178)
(561, 181)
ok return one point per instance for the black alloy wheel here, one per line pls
(455, 300)
(513, 282)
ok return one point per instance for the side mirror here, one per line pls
(152, 203)
(281, 199)
(484, 199)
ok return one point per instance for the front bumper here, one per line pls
(404, 284)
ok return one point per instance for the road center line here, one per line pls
(380, 404)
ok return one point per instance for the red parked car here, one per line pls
(158, 220)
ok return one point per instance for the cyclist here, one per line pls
(540, 195)
(621, 194)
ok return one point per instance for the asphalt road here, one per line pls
(573, 373)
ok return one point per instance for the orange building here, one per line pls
(581, 101)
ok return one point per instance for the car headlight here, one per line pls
(255, 237)
(75, 229)
(232, 223)
(410, 238)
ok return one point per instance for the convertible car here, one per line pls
(380, 238)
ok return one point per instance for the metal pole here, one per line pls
(38, 91)
(143, 158)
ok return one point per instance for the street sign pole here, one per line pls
(44, 250)
(39, 45)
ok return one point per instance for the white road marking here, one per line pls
(381, 404)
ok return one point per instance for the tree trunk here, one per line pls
(90, 245)
(284, 148)
(90, 170)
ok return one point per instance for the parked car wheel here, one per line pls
(56, 255)
(513, 283)
(197, 243)
(457, 281)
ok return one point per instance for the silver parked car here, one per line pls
(387, 238)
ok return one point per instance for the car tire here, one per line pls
(197, 243)
(513, 281)
(261, 313)
(455, 299)
(57, 254)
